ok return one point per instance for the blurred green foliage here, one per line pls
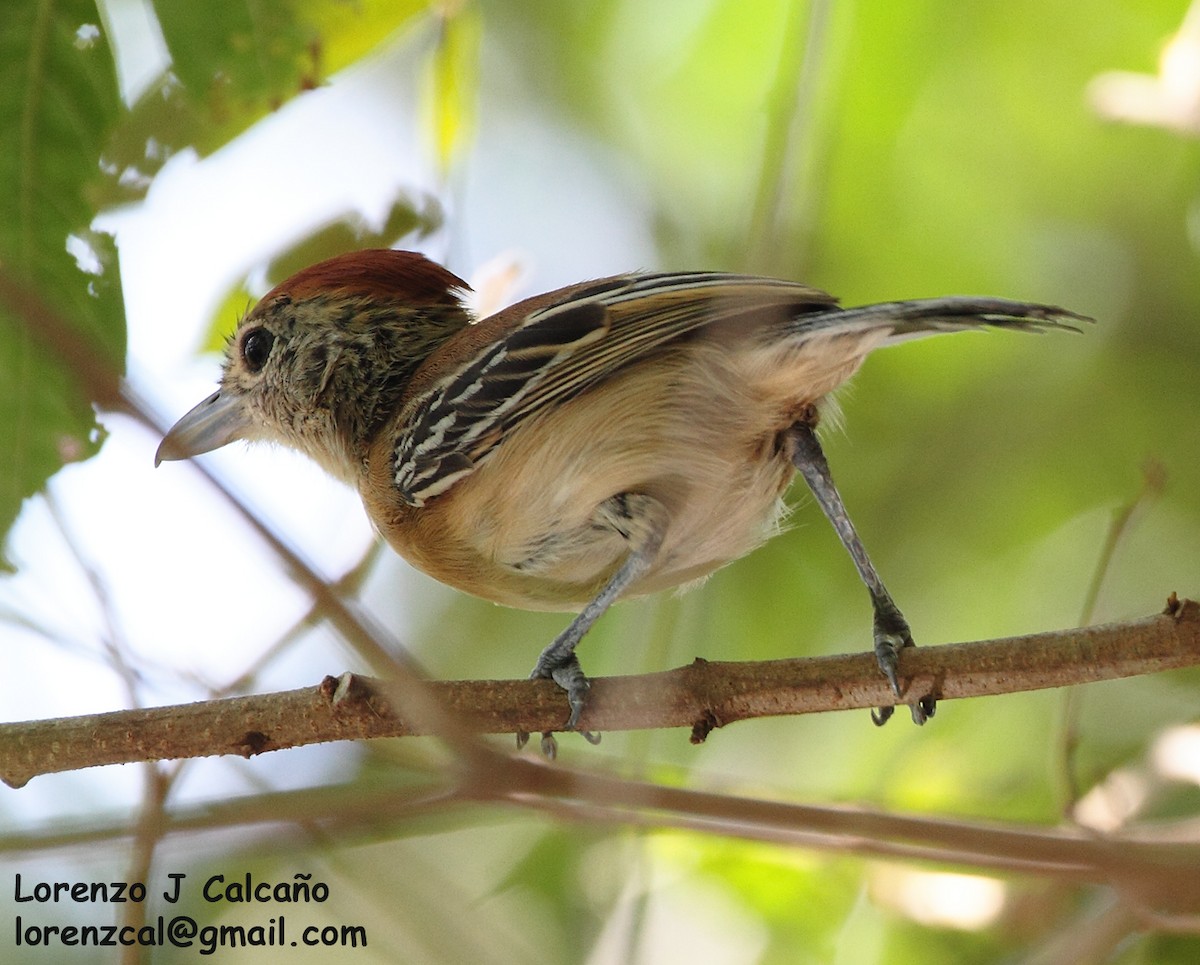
(58, 100)
(877, 150)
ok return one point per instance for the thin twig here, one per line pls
(789, 149)
(703, 696)
(157, 778)
(1067, 742)
(1150, 862)
(104, 386)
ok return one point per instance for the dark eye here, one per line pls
(256, 347)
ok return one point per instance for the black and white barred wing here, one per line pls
(559, 352)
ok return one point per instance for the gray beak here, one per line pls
(215, 422)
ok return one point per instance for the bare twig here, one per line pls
(1154, 476)
(1154, 865)
(106, 388)
(702, 696)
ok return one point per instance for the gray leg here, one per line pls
(891, 629)
(642, 520)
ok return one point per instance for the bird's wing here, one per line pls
(559, 350)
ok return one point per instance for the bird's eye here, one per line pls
(256, 347)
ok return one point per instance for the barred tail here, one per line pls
(909, 319)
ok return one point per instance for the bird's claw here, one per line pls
(571, 678)
(923, 709)
(891, 636)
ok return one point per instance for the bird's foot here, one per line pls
(569, 675)
(891, 636)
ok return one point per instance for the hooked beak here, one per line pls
(215, 422)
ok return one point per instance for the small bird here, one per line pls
(612, 438)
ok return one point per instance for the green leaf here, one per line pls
(406, 217)
(452, 84)
(58, 94)
(234, 304)
(235, 61)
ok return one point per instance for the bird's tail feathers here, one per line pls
(924, 316)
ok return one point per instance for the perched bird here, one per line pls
(611, 438)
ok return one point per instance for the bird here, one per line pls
(612, 438)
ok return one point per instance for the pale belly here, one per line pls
(705, 434)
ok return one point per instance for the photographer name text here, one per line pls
(63, 898)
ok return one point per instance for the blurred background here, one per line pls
(163, 163)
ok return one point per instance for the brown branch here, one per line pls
(105, 387)
(1148, 864)
(702, 696)
(90, 367)
(1157, 865)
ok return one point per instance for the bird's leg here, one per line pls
(891, 629)
(642, 521)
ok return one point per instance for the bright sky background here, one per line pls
(157, 537)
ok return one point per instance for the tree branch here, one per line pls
(703, 695)
(1155, 865)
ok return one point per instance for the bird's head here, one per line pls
(320, 363)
